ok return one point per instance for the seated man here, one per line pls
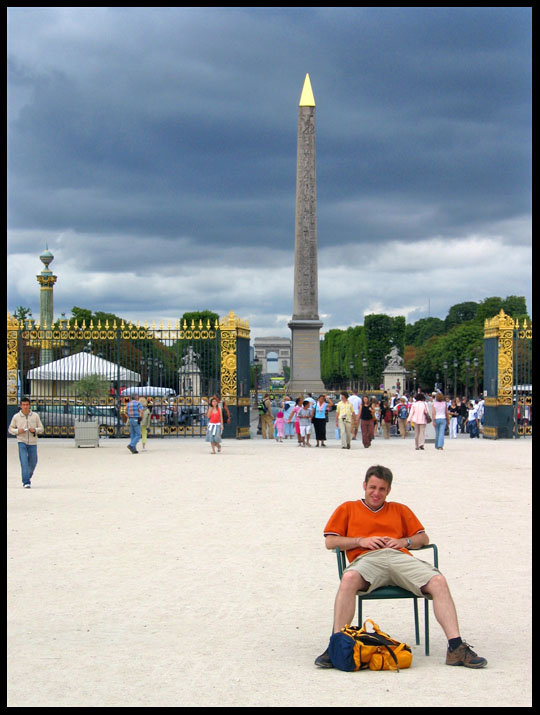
(376, 535)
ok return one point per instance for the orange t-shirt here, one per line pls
(354, 518)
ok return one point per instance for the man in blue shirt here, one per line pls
(134, 412)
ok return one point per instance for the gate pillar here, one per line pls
(235, 374)
(13, 395)
(498, 377)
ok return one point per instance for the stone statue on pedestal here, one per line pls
(394, 372)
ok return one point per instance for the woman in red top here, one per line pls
(215, 425)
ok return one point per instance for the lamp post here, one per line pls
(467, 367)
(475, 363)
(455, 377)
(351, 366)
(414, 379)
(364, 365)
(445, 368)
(256, 386)
(149, 363)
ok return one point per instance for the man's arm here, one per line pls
(371, 543)
(345, 543)
(39, 429)
(417, 541)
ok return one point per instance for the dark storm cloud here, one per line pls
(149, 138)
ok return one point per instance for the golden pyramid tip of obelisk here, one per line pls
(307, 99)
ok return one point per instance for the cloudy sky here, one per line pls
(154, 151)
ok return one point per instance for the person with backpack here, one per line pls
(402, 413)
(267, 422)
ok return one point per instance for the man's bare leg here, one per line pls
(459, 652)
(443, 605)
(345, 604)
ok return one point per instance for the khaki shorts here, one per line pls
(390, 567)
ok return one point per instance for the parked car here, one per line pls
(65, 416)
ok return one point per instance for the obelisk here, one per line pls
(305, 324)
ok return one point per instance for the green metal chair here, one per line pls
(392, 592)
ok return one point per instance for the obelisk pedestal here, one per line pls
(305, 324)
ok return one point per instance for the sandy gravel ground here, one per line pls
(178, 578)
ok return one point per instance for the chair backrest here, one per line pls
(342, 565)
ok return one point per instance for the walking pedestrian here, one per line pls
(419, 416)
(304, 418)
(387, 417)
(145, 422)
(344, 419)
(320, 418)
(356, 402)
(464, 414)
(440, 419)
(454, 412)
(215, 425)
(267, 423)
(366, 421)
(134, 412)
(279, 424)
(287, 406)
(26, 425)
(402, 412)
(472, 420)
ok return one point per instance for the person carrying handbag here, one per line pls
(419, 415)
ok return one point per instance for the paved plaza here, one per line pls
(178, 578)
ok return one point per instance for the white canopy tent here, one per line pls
(57, 377)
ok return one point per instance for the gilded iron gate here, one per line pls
(507, 377)
(522, 365)
(76, 371)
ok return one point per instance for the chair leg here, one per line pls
(359, 612)
(426, 618)
(416, 625)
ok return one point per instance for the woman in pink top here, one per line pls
(419, 414)
(440, 419)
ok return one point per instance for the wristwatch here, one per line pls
(409, 542)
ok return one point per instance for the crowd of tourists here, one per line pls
(306, 419)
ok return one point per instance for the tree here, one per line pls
(91, 387)
(425, 328)
(22, 314)
(460, 313)
(81, 315)
(197, 316)
(515, 306)
(488, 308)
(464, 341)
